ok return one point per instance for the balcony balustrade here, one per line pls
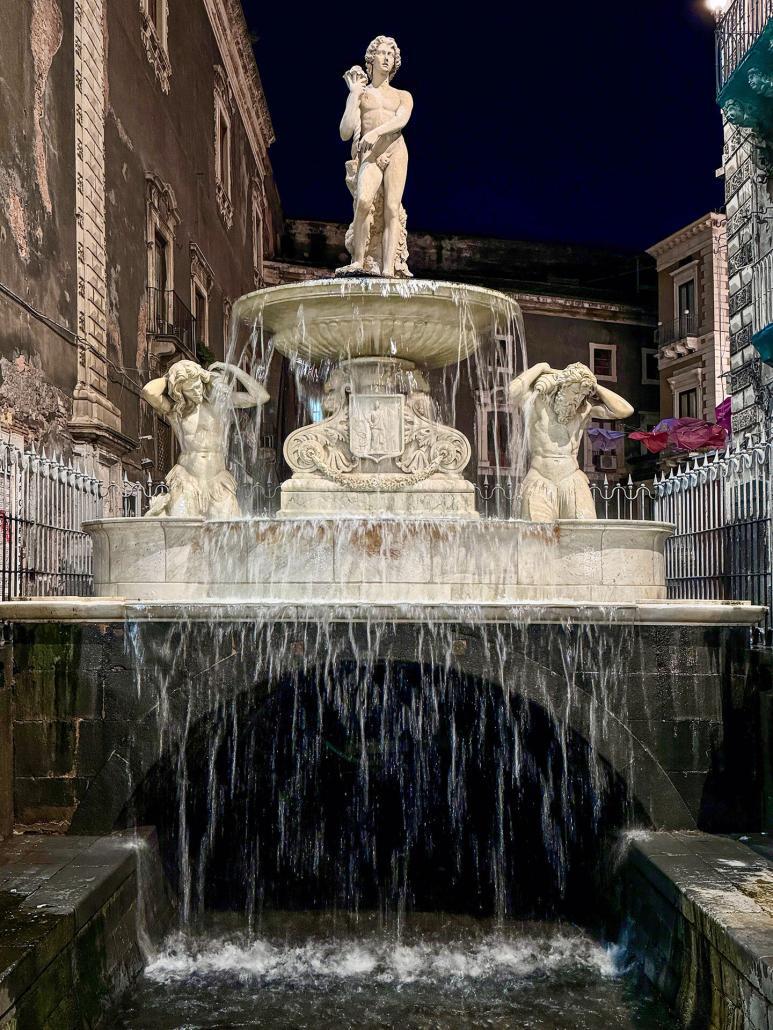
(745, 62)
(679, 336)
(171, 324)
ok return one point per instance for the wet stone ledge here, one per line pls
(699, 917)
(71, 916)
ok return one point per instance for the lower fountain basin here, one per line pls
(383, 561)
(431, 323)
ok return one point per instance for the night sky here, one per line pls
(586, 122)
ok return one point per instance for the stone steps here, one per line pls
(71, 922)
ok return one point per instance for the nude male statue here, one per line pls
(375, 115)
(557, 407)
(197, 401)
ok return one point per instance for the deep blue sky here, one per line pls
(588, 122)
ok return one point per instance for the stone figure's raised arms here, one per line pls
(558, 405)
(198, 402)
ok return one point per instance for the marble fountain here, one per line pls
(377, 701)
(378, 509)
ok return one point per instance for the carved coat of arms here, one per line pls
(376, 425)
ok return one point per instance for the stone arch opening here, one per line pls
(380, 785)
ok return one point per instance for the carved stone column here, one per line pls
(96, 421)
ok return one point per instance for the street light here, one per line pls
(717, 7)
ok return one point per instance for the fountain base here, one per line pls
(436, 497)
(382, 450)
(379, 561)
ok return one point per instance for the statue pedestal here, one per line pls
(438, 497)
(381, 451)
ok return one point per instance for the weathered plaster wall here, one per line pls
(37, 196)
(170, 135)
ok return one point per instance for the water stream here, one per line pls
(382, 821)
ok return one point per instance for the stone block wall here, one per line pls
(74, 913)
(674, 710)
(6, 741)
(699, 918)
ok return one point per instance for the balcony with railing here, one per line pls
(678, 338)
(170, 325)
(745, 62)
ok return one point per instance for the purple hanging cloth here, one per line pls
(723, 415)
(604, 439)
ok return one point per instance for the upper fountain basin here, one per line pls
(424, 321)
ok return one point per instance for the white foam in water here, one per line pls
(385, 958)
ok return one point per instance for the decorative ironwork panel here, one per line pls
(740, 299)
(738, 178)
(741, 339)
(741, 259)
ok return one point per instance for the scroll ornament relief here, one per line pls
(430, 448)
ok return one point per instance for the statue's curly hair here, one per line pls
(181, 374)
(578, 373)
(370, 54)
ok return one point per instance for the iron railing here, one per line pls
(737, 30)
(169, 317)
(618, 500)
(44, 502)
(679, 329)
(720, 505)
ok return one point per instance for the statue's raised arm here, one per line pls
(356, 80)
(254, 393)
(558, 405)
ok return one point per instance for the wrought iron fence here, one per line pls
(740, 25)
(629, 500)
(494, 499)
(44, 502)
(721, 507)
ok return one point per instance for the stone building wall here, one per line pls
(693, 346)
(99, 105)
(38, 276)
(749, 239)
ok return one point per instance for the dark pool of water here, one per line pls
(301, 970)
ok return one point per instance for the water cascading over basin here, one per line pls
(382, 448)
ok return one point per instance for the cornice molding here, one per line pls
(702, 226)
(232, 37)
(577, 307)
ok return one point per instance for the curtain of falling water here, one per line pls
(475, 387)
(296, 768)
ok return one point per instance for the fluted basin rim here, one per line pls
(427, 321)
